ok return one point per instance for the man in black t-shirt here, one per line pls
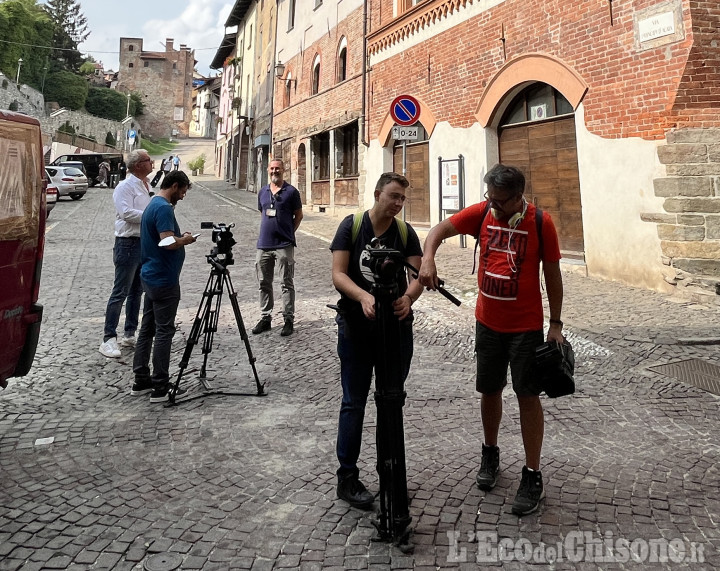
(356, 318)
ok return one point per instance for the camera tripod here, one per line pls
(390, 371)
(394, 515)
(206, 324)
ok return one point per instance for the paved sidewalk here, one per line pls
(248, 483)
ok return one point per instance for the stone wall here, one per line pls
(87, 125)
(689, 227)
(28, 100)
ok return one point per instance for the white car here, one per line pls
(69, 181)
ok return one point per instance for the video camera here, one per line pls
(222, 237)
(384, 263)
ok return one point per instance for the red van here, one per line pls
(22, 240)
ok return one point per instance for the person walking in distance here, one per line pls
(163, 254)
(130, 197)
(281, 212)
(514, 237)
(176, 162)
(356, 319)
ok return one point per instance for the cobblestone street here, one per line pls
(243, 482)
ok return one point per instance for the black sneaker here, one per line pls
(141, 387)
(287, 328)
(262, 326)
(352, 490)
(160, 394)
(530, 492)
(487, 477)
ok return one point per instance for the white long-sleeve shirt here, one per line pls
(131, 197)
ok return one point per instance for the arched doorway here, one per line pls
(417, 171)
(301, 182)
(537, 134)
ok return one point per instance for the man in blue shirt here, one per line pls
(281, 212)
(160, 276)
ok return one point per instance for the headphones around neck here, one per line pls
(516, 218)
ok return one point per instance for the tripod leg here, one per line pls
(243, 332)
(201, 318)
(211, 325)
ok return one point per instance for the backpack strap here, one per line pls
(538, 227)
(477, 236)
(402, 229)
(357, 223)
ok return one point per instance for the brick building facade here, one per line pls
(165, 81)
(612, 110)
(318, 101)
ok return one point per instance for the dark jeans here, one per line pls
(126, 257)
(158, 322)
(357, 361)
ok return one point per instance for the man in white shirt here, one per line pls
(131, 197)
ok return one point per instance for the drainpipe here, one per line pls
(364, 138)
(274, 80)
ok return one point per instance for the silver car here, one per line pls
(69, 181)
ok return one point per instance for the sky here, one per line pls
(199, 24)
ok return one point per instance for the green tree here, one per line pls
(136, 104)
(107, 103)
(88, 68)
(71, 29)
(68, 89)
(25, 24)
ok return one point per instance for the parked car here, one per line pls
(69, 181)
(77, 164)
(51, 196)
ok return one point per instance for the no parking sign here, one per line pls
(405, 110)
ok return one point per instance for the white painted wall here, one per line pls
(616, 186)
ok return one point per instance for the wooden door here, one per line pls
(301, 169)
(547, 155)
(417, 205)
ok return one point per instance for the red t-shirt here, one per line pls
(509, 297)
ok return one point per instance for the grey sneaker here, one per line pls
(530, 492)
(128, 341)
(110, 348)
(487, 477)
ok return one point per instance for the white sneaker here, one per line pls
(110, 348)
(128, 341)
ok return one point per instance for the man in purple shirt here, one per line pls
(280, 215)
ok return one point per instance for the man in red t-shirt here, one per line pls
(509, 315)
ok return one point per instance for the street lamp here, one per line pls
(42, 87)
(17, 79)
(127, 111)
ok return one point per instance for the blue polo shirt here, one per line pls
(160, 266)
(278, 231)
